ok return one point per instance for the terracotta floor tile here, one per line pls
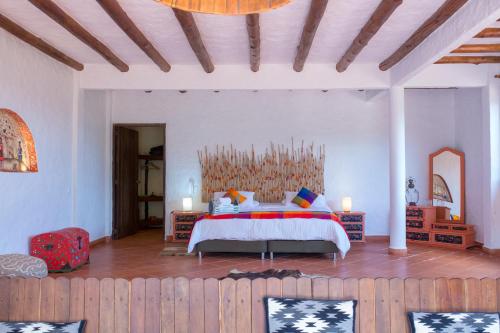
(139, 256)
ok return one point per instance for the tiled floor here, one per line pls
(139, 256)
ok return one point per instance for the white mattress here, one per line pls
(270, 229)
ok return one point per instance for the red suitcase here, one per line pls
(63, 250)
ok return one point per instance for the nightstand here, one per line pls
(354, 225)
(183, 223)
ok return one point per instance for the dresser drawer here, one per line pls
(418, 236)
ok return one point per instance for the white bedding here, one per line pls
(270, 229)
(277, 207)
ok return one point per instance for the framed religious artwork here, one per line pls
(17, 147)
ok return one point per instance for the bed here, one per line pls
(272, 228)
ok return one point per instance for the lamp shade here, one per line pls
(346, 204)
(225, 7)
(187, 204)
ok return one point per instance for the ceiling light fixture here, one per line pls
(225, 7)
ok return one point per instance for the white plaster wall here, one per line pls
(353, 130)
(468, 129)
(91, 163)
(40, 91)
(430, 126)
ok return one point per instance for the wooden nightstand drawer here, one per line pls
(355, 236)
(183, 227)
(354, 227)
(186, 217)
(182, 236)
(352, 217)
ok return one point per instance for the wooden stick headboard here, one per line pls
(277, 170)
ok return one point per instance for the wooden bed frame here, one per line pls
(156, 305)
(271, 246)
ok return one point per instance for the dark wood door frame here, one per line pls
(115, 125)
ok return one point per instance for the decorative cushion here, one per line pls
(305, 198)
(426, 322)
(311, 316)
(235, 196)
(42, 327)
(20, 265)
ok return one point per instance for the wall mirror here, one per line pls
(447, 182)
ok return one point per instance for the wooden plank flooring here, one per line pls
(139, 256)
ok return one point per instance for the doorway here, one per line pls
(138, 178)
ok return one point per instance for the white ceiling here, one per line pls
(225, 37)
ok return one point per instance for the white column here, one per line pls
(397, 169)
(491, 164)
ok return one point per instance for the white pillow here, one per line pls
(319, 202)
(289, 197)
(249, 195)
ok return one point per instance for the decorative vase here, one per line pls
(412, 195)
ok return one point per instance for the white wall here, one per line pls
(40, 91)
(468, 129)
(353, 130)
(437, 118)
(91, 163)
(430, 125)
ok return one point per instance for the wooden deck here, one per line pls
(182, 305)
(139, 256)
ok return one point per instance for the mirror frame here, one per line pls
(461, 155)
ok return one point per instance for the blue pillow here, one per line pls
(305, 198)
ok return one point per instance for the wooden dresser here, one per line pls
(182, 224)
(354, 225)
(428, 225)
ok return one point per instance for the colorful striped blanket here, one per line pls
(259, 215)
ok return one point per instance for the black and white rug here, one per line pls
(287, 315)
(42, 327)
(423, 322)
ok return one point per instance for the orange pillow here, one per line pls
(235, 196)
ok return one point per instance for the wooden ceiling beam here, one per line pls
(489, 33)
(478, 48)
(469, 60)
(376, 21)
(253, 28)
(186, 20)
(314, 17)
(38, 43)
(437, 19)
(116, 12)
(70, 24)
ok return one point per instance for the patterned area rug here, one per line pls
(176, 249)
(276, 273)
(422, 322)
(309, 316)
(42, 327)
